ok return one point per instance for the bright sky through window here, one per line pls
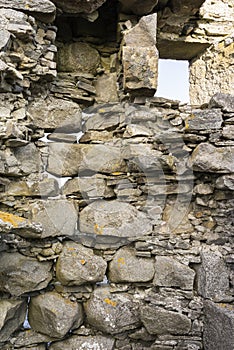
(173, 80)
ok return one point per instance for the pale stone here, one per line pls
(213, 276)
(104, 311)
(43, 6)
(53, 216)
(171, 273)
(78, 57)
(204, 120)
(54, 315)
(44, 188)
(30, 338)
(143, 34)
(160, 321)
(140, 80)
(21, 274)
(86, 266)
(127, 267)
(69, 160)
(209, 158)
(228, 132)
(54, 113)
(106, 88)
(12, 316)
(114, 218)
(225, 182)
(223, 101)
(94, 342)
(218, 326)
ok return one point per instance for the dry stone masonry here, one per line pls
(117, 209)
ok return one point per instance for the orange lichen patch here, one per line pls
(98, 229)
(192, 116)
(116, 173)
(83, 262)
(12, 219)
(121, 261)
(110, 302)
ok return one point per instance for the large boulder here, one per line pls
(223, 101)
(127, 267)
(114, 218)
(86, 266)
(112, 312)
(54, 315)
(210, 119)
(20, 274)
(12, 316)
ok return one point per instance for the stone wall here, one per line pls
(116, 213)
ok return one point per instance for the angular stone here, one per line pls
(46, 187)
(53, 113)
(4, 38)
(209, 158)
(228, 132)
(126, 267)
(138, 7)
(53, 216)
(114, 218)
(225, 182)
(103, 120)
(104, 311)
(95, 342)
(213, 276)
(43, 6)
(12, 316)
(218, 326)
(138, 80)
(30, 338)
(223, 101)
(86, 266)
(88, 187)
(78, 57)
(69, 160)
(171, 273)
(78, 6)
(20, 274)
(54, 315)
(204, 120)
(159, 321)
(106, 88)
(143, 34)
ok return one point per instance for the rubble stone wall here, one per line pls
(116, 212)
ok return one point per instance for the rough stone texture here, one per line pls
(69, 160)
(78, 57)
(209, 158)
(114, 218)
(112, 313)
(78, 6)
(127, 267)
(51, 113)
(54, 315)
(143, 34)
(218, 328)
(20, 274)
(106, 88)
(12, 316)
(98, 342)
(213, 276)
(171, 273)
(53, 217)
(159, 321)
(136, 79)
(225, 182)
(86, 267)
(223, 101)
(204, 120)
(45, 188)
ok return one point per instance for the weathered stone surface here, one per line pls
(103, 120)
(43, 6)
(78, 57)
(30, 338)
(54, 315)
(114, 218)
(228, 132)
(136, 79)
(159, 321)
(213, 276)
(86, 266)
(204, 120)
(69, 160)
(218, 327)
(143, 34)
(106, 88)
(12, 316)
(44, 188)
(209, 158)
(53, 216)
(171, 273)
(20, 274)
(225, 182)
(127, 267)
(223, 101)
(137, 6)
(78, 6)
(54, 113)
(97, 342)
(4, 38)
(104, 311)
